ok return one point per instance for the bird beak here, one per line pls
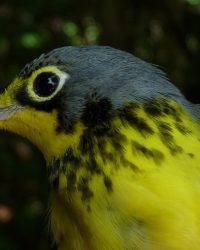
(8, 107)
(7, 112)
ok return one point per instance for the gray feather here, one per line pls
(111, 73)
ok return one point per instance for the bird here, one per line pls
(121, 145)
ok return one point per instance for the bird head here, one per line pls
(70, 89)
(93, 113)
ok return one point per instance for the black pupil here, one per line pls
(45, 84)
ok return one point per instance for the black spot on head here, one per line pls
(54, 167)
(97, 114)
(168, 108)
(166, 136)
(114, 133)
(108, 184)
(137, 147)
(129, 116)
(164, 126)
(182, 129)
(93, 166)
(86, 143)
(101, 144)
(172, 111)
(105, 156)
(165, 131)
(156, 155)
(153, 109)
(116, 139)
(127, 163)
(162, 107)
(83, 187)
(101, 130)
(174, 148)
(70, 158)
(134, 167)
(64, 123)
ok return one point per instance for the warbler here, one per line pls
(122, 149)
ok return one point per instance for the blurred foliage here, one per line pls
(166, 33)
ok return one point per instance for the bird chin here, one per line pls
(6, 112)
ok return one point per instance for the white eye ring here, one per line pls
(53, 80)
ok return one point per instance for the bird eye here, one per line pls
(45, 84)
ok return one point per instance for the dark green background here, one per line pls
(166, 33)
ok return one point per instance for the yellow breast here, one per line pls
(138, 187)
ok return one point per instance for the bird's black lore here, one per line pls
(127, 114)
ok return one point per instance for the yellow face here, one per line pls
(26, 109)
